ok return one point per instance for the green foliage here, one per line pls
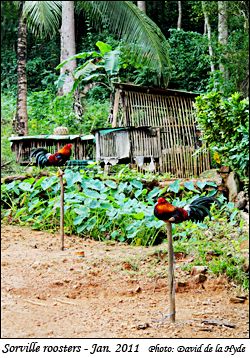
(121, 209)
(237, 62)
(225, 126)
(137, 72)
(190, 60)
(41, 61)
(8, 70)
(47, 111)
(42, 17)
(42, 58)
(39, 112)
(95, 115)
(8, 109)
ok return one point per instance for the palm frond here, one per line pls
(133, 26)
(43, 17)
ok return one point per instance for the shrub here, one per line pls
(95, 115)
(224, 125)
(47, 111)
(190, 60)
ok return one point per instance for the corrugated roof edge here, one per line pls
(55, 137)
(108, 129)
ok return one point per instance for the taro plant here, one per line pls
(100, 209)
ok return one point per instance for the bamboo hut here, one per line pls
(154, 123)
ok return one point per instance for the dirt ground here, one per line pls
(104, 290)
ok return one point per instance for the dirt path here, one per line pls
(109, 291)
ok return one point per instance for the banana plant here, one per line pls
(102, 64)
(100, 68)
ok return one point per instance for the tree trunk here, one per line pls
(20, 124)
(223, 35)
(207, 29)
(142, 5)
(179, 15)
(68, 47)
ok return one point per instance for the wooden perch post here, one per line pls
(60, 174)
(171, 272)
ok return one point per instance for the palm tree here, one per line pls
(146, 40)
(20, 124)
(42, 17)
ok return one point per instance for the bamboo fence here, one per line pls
(23, 146)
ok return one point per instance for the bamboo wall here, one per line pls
(172, 113)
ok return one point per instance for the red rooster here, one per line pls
(44, 158)
(197, 210)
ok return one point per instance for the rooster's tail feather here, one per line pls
(200, 208)
(41, 156)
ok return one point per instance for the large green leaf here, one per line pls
(211, 183)
(95, 184)
(190, 186)
(94, 76)
(139, 216)
(175, 186)
(81, 55)
(103, 47)
(85, 70)
(111, 184)
(111, 63)
(25, 186)
(43, 17)
(137, 184)
(94, 194)
(201, 184)
(48, 182)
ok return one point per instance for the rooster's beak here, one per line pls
(172, 219)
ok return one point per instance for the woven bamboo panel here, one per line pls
(174, 116)
(144, 144)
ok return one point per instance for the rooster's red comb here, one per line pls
(161, 201)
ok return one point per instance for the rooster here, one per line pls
(44, 158)
(196, 211)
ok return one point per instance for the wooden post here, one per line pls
(60, 174)
(158, 131)
(116, 107)
(171, 272)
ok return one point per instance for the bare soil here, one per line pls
(104, 290)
